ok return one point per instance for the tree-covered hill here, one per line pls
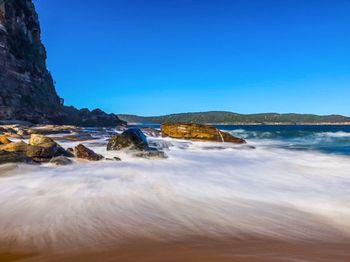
(222, 117)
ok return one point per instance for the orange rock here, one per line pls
(198, 132)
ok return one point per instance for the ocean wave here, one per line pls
(223, 191)
(338, 134)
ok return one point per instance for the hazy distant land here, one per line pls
(222, 117)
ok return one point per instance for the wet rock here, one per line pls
(132, 138)
(61, 161)
(41, 140)
(151, 153)
(13, 157)
(4, 140)
(83, 152)
(22, 133)
(52, 129)
(119, 142)
(114, 159)
(138, 138)
(45, 147)
(19, 147)
(79, 137)
(198, 132)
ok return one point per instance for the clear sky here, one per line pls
(152, 57)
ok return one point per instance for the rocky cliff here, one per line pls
(27, 90)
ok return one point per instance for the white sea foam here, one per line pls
(201, 189)
(334, 134)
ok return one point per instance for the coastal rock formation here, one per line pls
(198, 132)
(135, 140)
(39, 149)
(132, 138)
(27, 89)
(13, 157)
(83, 152)
(61, 161)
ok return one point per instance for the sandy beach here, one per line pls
(201, 250)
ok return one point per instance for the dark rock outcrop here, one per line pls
(27, 89)
(198, 132)
(134, 140)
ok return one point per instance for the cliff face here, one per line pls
(27, 90)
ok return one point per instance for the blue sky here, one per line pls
(154, 57)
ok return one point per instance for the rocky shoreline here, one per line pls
(35, 144)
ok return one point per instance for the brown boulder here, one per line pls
(4, 140)
(15, 147)
(13, 157)
(198, 132)
(83, 152)
(41, 140)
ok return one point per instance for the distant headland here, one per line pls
(223, 118)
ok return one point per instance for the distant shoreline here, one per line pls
(261, 124)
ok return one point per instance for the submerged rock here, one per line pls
(151, 153)
(61, 161)
(83, 152)
(79, 137)
(13, 157)
(198, 132)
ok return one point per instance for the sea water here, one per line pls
(289, 183)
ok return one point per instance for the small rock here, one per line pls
(61, 161)
(114, 159)
(85, 153)
(151, 153)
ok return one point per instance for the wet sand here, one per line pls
(235, 250)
